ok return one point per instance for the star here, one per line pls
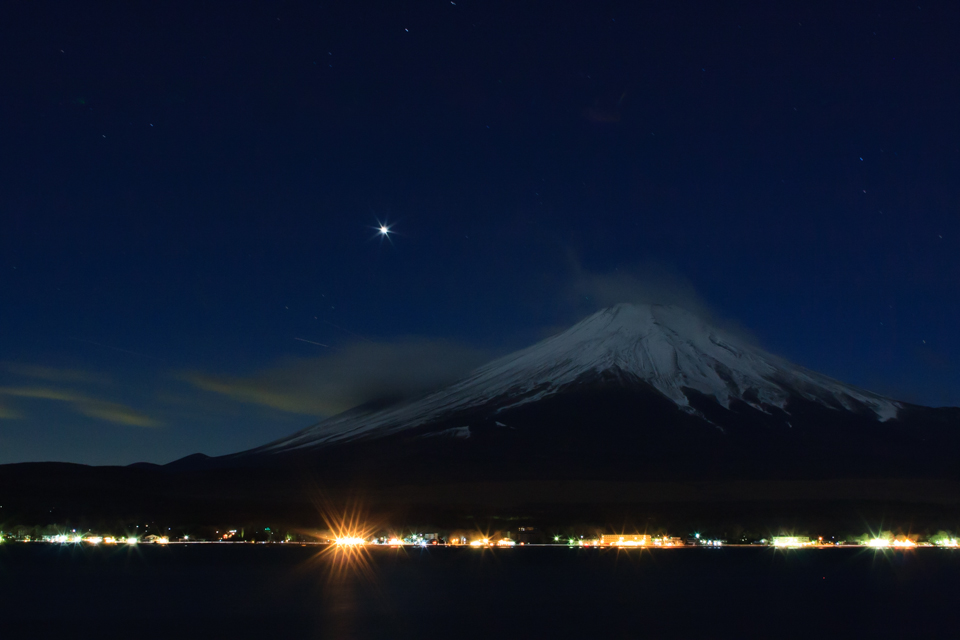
(384, 231)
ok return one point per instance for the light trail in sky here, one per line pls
(319, 344)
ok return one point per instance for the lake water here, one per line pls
(278, 591)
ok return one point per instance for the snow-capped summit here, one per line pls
(670, 349)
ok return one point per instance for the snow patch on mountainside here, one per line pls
(666, 347)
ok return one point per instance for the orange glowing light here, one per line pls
(615, 540)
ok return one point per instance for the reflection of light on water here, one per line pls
(345, 558)
(347, 580)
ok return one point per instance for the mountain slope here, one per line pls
(684, 360)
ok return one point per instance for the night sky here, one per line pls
(189, 196)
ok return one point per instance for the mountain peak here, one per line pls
(675, 350)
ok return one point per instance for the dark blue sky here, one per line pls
(188, 193)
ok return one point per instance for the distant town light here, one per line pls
(878, 543)
(350, 541)
(791, 542)
(616, 540)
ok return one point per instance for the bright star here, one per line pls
(384, 231)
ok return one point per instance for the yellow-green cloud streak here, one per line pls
(83, 404)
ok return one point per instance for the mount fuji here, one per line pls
(636, 409)
(633, 392)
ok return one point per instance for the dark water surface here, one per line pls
(241, 591)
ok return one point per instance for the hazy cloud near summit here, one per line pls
(344, 378)
(644, 284)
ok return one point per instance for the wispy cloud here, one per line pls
(348, 377)
(114, 412)
(648, 283)
(645, 283)
(82, 404)
(43, 393)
